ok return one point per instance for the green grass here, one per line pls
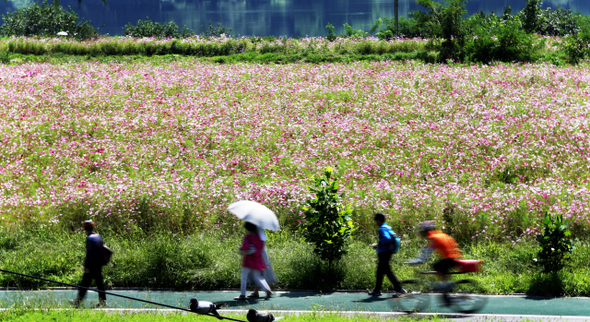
(252, 57)
(210, 261)
(89, 315)
(95, 316)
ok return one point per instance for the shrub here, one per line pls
(513, 42)
(496, 38)
(555, 243)
(408, 28)
(385, 28)
(45, 20)
(331, 33)
(149, 29)
(328, 223)
(577, 46)
(350, 32)
(559, 22)
(217, 31)
(4, 57)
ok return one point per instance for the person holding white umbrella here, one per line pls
(263, 218)
(252, 262)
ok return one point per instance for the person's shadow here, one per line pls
(373, 299)
(298, 294)
(241, 303)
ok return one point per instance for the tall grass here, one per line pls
(209, 260)
(209, 47)
(268, 49)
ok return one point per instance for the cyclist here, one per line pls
(445, 246)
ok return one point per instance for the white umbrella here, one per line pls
(255, 213)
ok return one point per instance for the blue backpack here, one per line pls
(394, 242)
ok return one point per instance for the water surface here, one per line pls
(293, 18)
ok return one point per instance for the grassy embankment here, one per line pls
(154, 151)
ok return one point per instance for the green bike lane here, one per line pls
(521, 305)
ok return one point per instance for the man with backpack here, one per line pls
(93, 264)
(388, 245)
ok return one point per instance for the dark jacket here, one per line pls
(93, 251)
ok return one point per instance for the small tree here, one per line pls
(555, 243)
(531, 16)
(445, 21)
(331, 32)
(328, 223)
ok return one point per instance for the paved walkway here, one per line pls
(303, 301)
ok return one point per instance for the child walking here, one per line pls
(252, 262)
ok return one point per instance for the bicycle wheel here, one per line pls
(462, 299)
(416, 300)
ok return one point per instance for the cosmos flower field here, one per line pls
(484, 150)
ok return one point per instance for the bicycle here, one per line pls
(455, 295)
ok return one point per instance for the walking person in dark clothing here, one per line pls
(92, 265)
(384, 252)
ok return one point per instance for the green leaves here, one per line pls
(217, 31)
(577, 46)
(555, 244)
(445, 21)
(146, 28)
(328, 223)
(531, 15)
(331, 33)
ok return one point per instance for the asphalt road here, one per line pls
(498, 308)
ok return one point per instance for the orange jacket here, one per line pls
(444, 244)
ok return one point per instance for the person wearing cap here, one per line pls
(93, 264)
(444, 245)
(384, 256)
